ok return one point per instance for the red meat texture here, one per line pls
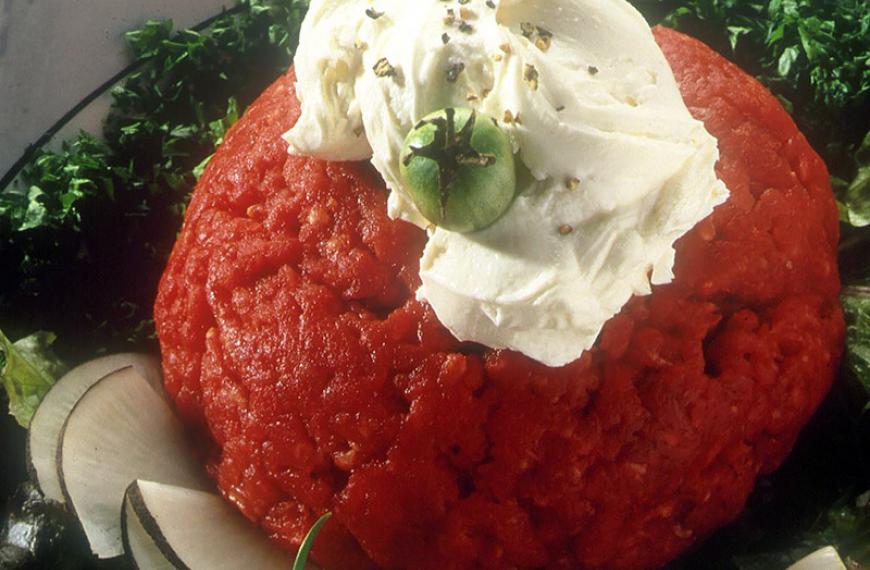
(291, 338)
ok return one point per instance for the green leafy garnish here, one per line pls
(305, 548)
(856, 305)
(28, 369)
(855, 195)
(104, 211)
(813, 54)
(820, 44)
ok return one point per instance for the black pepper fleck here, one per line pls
(454, 70)
(382, 68)
(530, 75)
(527, 29)
(373, 14)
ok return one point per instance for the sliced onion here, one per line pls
(822, 559)
(192, 529)
(120, 430)
(47, 422)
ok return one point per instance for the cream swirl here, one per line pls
(613, 169)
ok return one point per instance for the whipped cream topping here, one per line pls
(612, 168)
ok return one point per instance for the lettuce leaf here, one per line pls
(854, 197)
(856, 305)
(28, 368)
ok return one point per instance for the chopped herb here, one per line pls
(301, 561)
(453, 71)
(530, 76)
(462, 2)
(373, 14)
(445, 38)
(382, 68)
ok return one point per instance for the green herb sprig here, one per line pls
(301, 561)
(103, 212)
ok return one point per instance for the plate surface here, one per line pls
(55, 53)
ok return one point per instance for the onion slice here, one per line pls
(166, 526)
(47, 422)
(823, 559)
(120, 430)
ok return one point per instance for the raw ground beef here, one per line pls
(292, 339)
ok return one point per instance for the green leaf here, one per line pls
(788, 58)
(28, 369)
(856, 306)
(855, 197)
(301, 561)
(735, 33)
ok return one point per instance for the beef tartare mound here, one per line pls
(292, 339)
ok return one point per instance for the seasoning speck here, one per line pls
(360, 45)
(592, 70)
(505, 47)
(445, 38)
(471, 97)
(497, 57)
(373, 14)
(527, 29)
(465, 27)
(508, 116)
(560, 108)
(565, 229)
(466, 14)
(544, 39)
(490, 4)
(530, 75)
(454, 70)
(461, 2)
(572, 183)
(383, 68)
(450, 18)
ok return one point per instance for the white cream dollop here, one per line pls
(613, 168)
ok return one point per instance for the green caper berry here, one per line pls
(458, 167)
